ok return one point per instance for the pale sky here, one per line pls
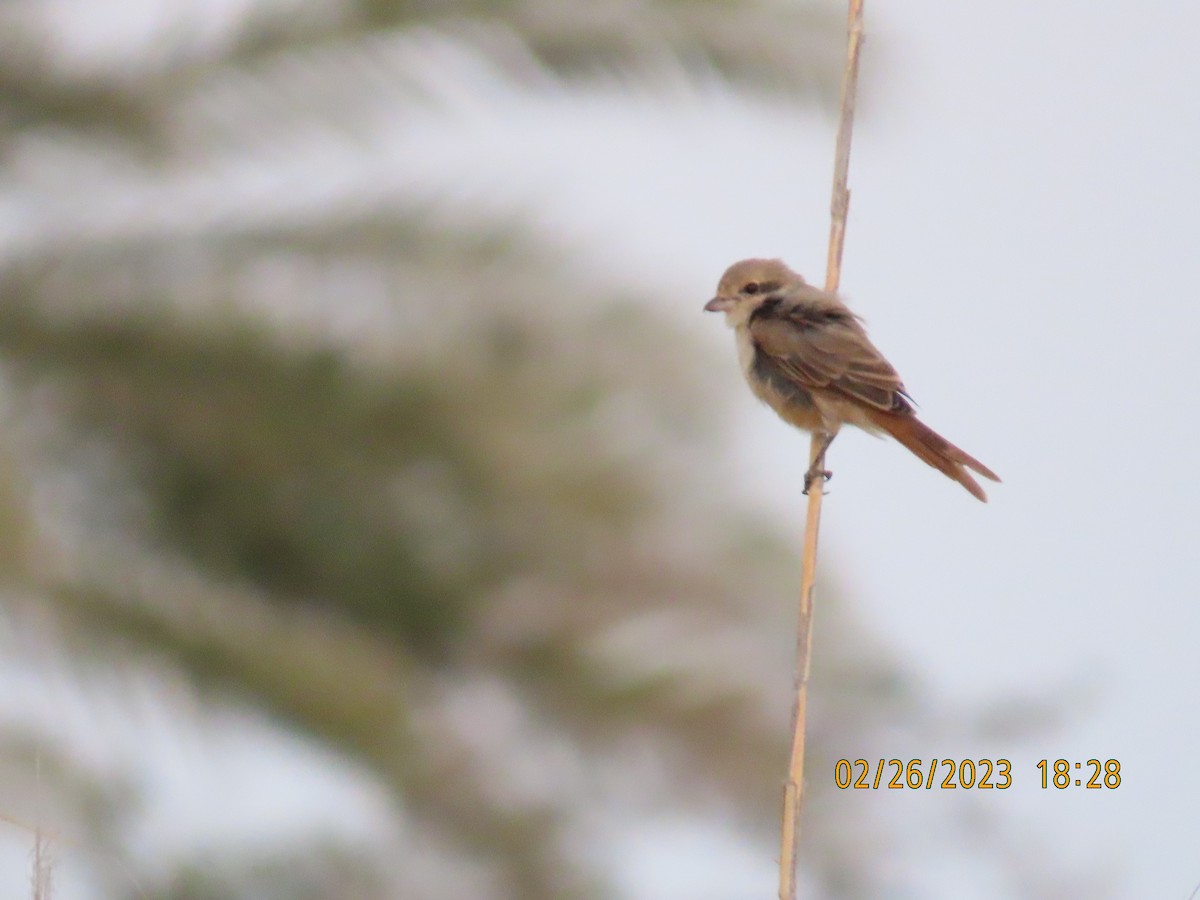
(1022, 242)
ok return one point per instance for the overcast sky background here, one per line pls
(1022, 243)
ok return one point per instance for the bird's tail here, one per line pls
(934, 449)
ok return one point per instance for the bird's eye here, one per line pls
(751, 288)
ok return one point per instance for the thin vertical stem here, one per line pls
(793, 793)
(41, 874)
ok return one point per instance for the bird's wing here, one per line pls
(823, 345)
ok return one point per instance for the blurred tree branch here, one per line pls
(358, 470)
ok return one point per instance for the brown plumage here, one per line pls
(807, 356)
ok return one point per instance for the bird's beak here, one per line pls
(718, 304)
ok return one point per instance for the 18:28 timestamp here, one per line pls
(1063, 773)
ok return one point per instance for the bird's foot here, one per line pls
(813, 474)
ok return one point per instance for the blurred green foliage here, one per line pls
(360, 519)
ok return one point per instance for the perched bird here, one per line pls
(808, 357)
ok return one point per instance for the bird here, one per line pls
(808, 357)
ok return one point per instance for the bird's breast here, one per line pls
(792, 402)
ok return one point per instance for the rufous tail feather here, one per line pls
(934, 449)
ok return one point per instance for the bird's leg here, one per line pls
(817, 469)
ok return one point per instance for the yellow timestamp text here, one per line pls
(1090, 774)
(922, 774)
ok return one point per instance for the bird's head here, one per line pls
(747, 283)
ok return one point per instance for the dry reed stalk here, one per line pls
(793, 792)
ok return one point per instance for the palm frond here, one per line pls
(775, 43)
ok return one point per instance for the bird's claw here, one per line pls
(812, 475)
